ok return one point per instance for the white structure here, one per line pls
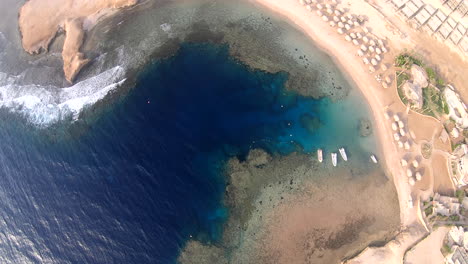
(457, 109)
(445, 205)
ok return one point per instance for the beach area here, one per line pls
(282, 208)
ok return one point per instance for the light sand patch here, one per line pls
(428, 250)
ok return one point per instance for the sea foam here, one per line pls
(46, 105)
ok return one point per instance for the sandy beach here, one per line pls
(380, 100)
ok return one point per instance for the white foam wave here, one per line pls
(46, 105)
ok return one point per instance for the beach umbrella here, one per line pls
(374, 62)
(302, 2)
(371, 48)
(337, 12)
(378, 51)
(385, 85)
(388, 79)
(363, 47)
(347, 27)
(340, 30)
(360, 53)
(365, 29)
(411, 181)
(396, 136)
(319, 6)
(396, 117)
(336, 19)
(407, 145)
(332, 23)
(349, 16)
(319, 13)
(356, 23)
(355, 42)
(308, 1)
(372, 42)
(415, 163)
(380, 42)
(325, 18)
(341, 9)
(409, 173)
(340, 25)
(343, 19)
(401, 124)
(371, 69)
(350, 23)
(402, 132)
(384, 50)
(335, 2)
(314, 1)
(385, 114)
(365, 60)
(378, 58)
(358, 35)
(347, 38)
(353, 35)
(384, 68)
(418, 176)
(308, 7)
(403, 162)
(365, 39)
(394, 126)
(329, 11)
(328, 6)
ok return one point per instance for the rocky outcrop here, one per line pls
(41, 20)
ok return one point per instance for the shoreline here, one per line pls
(413, 226)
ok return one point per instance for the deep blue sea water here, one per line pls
(148, 173)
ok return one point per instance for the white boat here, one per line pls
(333, 156)
(320, 155)
(343, 154)
(373, 158)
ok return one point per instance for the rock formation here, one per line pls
(41, 20)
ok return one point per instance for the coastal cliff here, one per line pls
(40, 21)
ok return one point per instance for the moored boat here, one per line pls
(343, 154)
(333, 156)
(373, 158)
(320, 155)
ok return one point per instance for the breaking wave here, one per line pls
(46, 105)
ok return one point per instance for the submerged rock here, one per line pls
(196, 252)
(258, 157)
(365, 127)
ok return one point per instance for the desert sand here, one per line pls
(398, 36)
(428, 250)
(40, 21)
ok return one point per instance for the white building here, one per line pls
(457, 109)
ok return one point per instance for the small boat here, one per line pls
(343, 154)
(320, 155)
(373, 158)
(333, 156)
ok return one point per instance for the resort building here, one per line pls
(457, 240)
(446, 20)
(445, 205)
(457, 109)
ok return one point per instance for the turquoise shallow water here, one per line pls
(149, 172)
